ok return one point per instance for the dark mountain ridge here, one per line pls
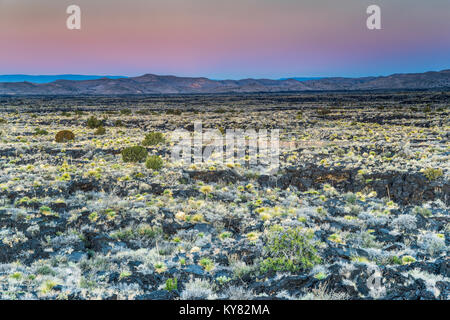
(156, 84)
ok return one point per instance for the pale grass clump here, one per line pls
(322, 292)
(434, 244)
(198, 289)
(404, 222)
(238, 293)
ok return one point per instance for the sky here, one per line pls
(220, 39)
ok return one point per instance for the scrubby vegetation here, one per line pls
(153, 138)
(64, 136)
(94, 123)
(289, 250)
(100, 131)
(363, 183)
(134, 154)
(154, 162)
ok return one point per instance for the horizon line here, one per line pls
(99, 76)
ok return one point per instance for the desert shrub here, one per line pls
(323, 111)
(433, 243)
(64, 136)
(198, 289)
(206, 263)
(94, 123)
(47, 286)
(239, 293)
(365, 239)
(425, 212)
(100, 131)
(134, 154)
(404, 222)
(143, 231)
(171, 284)
(118, 123)
(153, 138)
(79, 112)
(2, 120)
(240, 268)
(154, 162)
(433, 174)
(125, 111)
(40, 132)
(290, 249)
(45, 270)
(174, 112)
(221, 129)
(350, 198)
(408, 260)
(324, 292)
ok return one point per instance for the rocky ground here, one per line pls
(357, 210)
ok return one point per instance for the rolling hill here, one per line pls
(156, 84)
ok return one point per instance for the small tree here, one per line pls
(94, 123)
(134, 154)
(290, 249)
(154, 162)
(64, 136)
(153, 138)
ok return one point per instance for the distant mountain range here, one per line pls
(155, 84)
(50, 78)
(303, 78)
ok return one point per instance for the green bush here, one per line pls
(94, 123)
(174, 112)
(323, 111)
(64, 136)
(425, 212)
(125, 111)
(134, 154)
(171, 284)
(40, 132)
(221, 129)
(433, 174)
(154, 163)
(118, 123)
(153, 138)
(290, 249)
(100, 131)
